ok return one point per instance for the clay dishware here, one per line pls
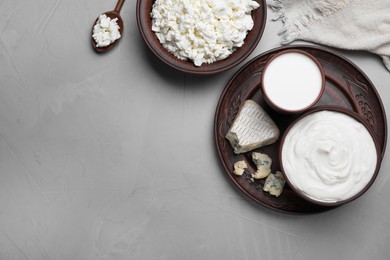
(292, 81)
(144, 21)
(337, 158)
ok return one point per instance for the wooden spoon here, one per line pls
(112, 14)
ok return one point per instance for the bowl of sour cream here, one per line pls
(292, 81)
(329, 156)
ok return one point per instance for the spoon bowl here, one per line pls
(112, 14)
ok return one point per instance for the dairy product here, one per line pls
(105, 31)
(329, 156)
(292, 81)
(274, 184)
(252, 128)
(239, 167)
(203, 31)
(263, 164)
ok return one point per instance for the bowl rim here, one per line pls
(275, 106)
(164, 55)
(359, 119)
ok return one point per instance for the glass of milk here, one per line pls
(292, 81)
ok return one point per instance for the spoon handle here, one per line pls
(118, 6)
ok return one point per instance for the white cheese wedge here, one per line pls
(263, 164)
(252, 128)
(239, 167)
(274, 184)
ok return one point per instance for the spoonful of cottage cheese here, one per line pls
(107, 29)
(204, 31)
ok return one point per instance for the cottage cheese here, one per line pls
(203, 31)
(105, 31)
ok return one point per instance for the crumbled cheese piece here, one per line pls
(239, 167)
(203, 31)
(105, 31)
(252, 128)
(263, 163)
(274, 184)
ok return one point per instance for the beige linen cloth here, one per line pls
(346, 24)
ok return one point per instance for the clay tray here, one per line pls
(346, 86)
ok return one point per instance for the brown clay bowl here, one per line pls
(272, 102)
(144, 7)
(359, 119)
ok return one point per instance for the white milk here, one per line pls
(292, 81)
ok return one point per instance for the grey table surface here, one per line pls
(113, 156)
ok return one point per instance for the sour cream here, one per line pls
(292, 81)
(329, 156)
